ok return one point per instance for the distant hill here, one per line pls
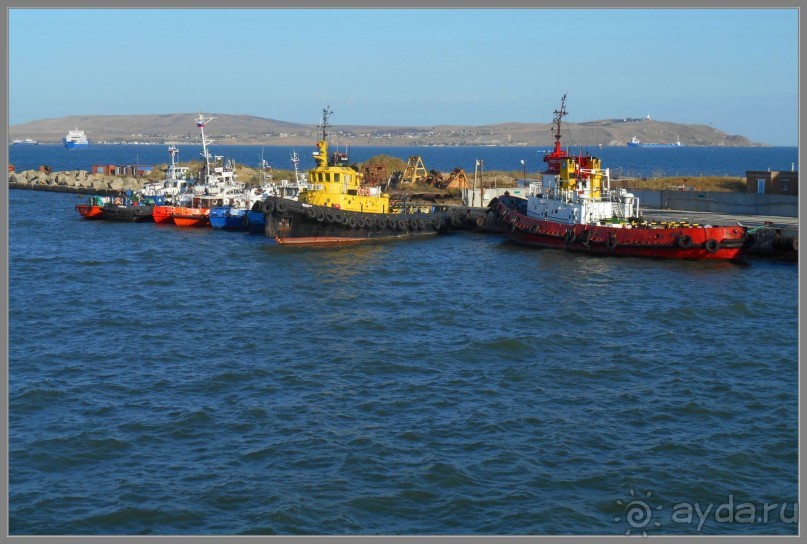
(249, 129)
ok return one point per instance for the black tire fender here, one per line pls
(684, 241)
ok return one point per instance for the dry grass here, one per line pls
(691, 183)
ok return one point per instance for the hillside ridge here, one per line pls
(242, 129)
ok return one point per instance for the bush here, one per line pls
(390, 164)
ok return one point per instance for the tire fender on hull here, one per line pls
(684, 242)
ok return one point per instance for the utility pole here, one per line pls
(524, 169)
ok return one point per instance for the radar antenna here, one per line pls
(326, 112)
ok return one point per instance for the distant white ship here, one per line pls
(635, 142)
(27, 141)
(75, 139)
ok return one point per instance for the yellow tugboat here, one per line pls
(339, 208)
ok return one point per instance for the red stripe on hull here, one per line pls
(310, 240)
(321, 240)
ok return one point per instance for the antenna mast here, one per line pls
(200, 123)
(326, 112)
(559, 114)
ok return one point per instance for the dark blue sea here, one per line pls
(177, 381)
(624, 161)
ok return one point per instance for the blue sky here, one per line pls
(736, 70)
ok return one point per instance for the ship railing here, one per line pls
(616, 203)
(623, 204)
(535, 188)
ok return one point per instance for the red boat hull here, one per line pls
(88, 211)
(669, 242)
(191, 217)
(163, 214)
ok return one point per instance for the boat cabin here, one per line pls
(336, 185)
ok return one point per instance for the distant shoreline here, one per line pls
(302, 143)
(226, 129)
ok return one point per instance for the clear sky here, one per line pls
(734, 69)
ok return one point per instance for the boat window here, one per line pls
(327, 176)
(336, 176)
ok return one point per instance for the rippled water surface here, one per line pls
(167, 381)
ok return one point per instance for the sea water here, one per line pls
(622, 161)
(194, 381)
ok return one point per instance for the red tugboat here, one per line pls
(94, 208)
(573, 207)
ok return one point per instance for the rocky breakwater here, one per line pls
(75, 181)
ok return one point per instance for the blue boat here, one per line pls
(256, 222)
(228, 218)
(76, 139)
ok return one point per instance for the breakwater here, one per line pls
(73, 181)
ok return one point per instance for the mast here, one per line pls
(295, 161)
(554, 159)
(265, 167)
(173, 151)
(325, 114)
(200, 123)
(321, 154)
(559, 114)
